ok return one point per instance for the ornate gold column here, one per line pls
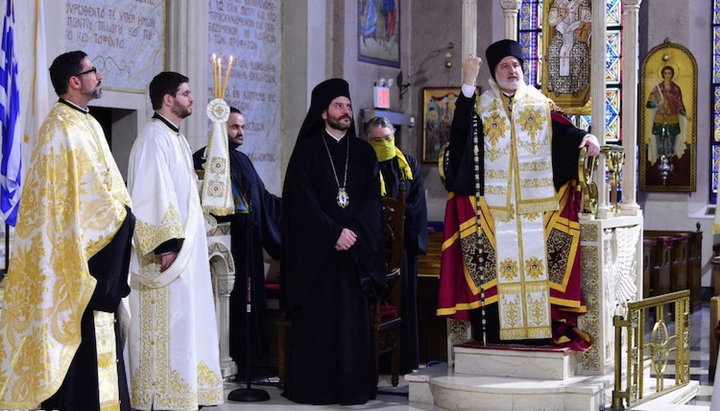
(597, 87)
(630, 52)
(510, 10)
(469, 28)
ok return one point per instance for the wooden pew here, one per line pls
(648, 260)
(685, 259)
(660, 266)
(694, 268)
(431, 328)
(714, 335)
(679, 260)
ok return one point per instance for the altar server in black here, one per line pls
(254, 225)
(331, 230)
(396, 169)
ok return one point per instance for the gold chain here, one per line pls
(347, 161)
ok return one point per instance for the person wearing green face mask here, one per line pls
(397, 168)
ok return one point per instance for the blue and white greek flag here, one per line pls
(11, 156)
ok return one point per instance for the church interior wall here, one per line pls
(295, 72)
(317, 45)
(362, 76)
(136, 106)
(689, 26)
(434, 26)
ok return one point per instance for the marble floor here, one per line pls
(395, 398)
(389, 398)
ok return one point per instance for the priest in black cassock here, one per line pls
(396, 169)
(254, 225)
(331, 230)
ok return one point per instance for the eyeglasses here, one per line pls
(91, 70)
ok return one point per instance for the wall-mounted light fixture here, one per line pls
(448, 55)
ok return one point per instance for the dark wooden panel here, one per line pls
(686, 262)
(431, 328)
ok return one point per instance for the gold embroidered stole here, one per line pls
(106, 360)
(518, 189)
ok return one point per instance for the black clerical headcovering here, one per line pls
(322, 95)
(501, 49)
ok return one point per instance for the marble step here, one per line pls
(443, 388)
(446, 389)
(515, 361)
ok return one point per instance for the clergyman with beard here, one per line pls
(331, 232)
(254, 226)
(69, 263)
(173, 332)
(512, 224)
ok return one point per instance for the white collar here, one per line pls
(334, 136)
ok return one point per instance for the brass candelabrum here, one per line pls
(614, 158)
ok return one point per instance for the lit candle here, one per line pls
(227, 75)
(214, 73)
(219, 76)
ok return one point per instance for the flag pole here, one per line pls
(4, 271)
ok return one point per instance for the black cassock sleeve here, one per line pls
(459, 174)
(565, 150)
(271, 211)
(109, 267)
(266, 207)
(415, 212)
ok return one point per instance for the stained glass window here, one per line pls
(715, 109)
(530, 36)
(613, 70)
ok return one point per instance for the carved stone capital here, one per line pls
(511, 4)
(225, 284)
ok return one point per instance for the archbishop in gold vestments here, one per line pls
(528, 232)
(173, 344)
(74, 203)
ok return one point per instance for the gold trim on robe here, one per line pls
(173, 348)
(73, 203)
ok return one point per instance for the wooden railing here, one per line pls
(655, 349)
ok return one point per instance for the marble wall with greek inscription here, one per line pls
(249, 30)
(124, 39)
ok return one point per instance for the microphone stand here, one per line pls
(248, 394)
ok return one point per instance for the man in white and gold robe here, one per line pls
(60, 346)
(173, 342)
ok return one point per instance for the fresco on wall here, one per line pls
(379, 32)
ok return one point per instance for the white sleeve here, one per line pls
(468, 90)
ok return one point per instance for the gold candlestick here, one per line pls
(219, 77)
(214, 72)
(227, 76)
